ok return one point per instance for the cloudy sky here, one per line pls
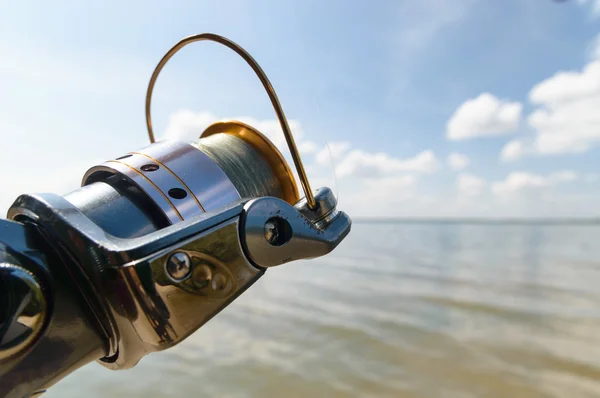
(428, 108)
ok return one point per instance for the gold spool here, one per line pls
(265, 147)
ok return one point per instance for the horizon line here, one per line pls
(479, 220)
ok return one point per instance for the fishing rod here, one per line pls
(153, 245)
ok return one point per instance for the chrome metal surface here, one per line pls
(139, 178)
(178, 266)
(289, 138)
(24, 311)
(201, 176)
(145, 292)
(160, 312)
(93, 246)
(146, 310)
(302, 240)
(325, 211)
(179, 178)
(119, 208)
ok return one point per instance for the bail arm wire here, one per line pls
(267, 86)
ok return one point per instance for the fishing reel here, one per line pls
(152, 246)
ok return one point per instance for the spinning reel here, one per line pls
(153, 245)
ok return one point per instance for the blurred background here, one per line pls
(462, 136)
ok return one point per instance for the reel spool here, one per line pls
(173, 181)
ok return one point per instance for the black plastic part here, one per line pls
(70, 336)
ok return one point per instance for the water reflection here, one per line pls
(401, 310)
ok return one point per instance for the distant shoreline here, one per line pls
(477, 221)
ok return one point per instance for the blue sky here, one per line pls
(431, 108)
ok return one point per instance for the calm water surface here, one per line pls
(399, 310)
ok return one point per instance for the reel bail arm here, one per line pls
(287, 132)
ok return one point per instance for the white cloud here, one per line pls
(333, 151)
(568, 117)
(458, 161)
(485, 115)
(359, 163)
(518, 182)
(392, 185)
(513, 150)
(469, 185)
(65, 177)
(562, 176)
(307, 147)
(565, 87)
(379, 197)
(187, 125)
(86, 78)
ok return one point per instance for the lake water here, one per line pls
(398, 310)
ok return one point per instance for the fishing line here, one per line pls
(244, 166)
(335, 181)
(317, 111)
